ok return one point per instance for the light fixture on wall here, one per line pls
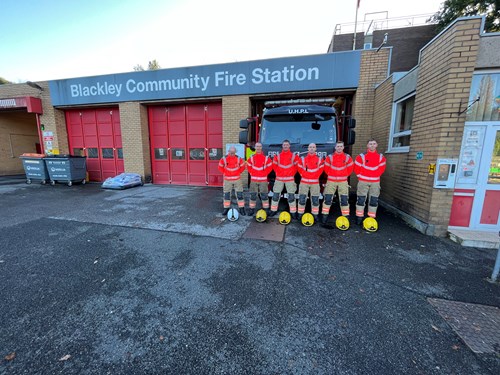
(470, 105)
(384, 42)
(34, 85)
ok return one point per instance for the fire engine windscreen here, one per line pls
(298, 128)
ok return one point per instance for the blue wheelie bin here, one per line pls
(66, 168)
(35, 168)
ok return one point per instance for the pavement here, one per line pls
(154, 280)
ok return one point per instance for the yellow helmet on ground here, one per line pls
(307, 219)
(370, 224)
(284, 218)
(261, 216)
(342, 223)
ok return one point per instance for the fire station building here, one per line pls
(438, 124)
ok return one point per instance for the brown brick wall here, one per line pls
(406, 43)
(52, 118)
(135, 138)
(445, 73)
(234, 108)
(373, 71)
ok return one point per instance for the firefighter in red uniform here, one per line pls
(231, 166)
(338, 167)
(310, 168)
(285, 167)
(259, 166)
(368, 167)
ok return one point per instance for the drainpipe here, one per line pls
(40, 136)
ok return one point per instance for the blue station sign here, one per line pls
(338, 70)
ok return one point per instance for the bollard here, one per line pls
(496, 269)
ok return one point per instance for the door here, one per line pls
(96, 134)
(186, 144)
(476, 198)
(486, 205)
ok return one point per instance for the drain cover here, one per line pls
(477, 325)
(271, 231)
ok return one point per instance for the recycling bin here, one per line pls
(35, 168)
(66, 168)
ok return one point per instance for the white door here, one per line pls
(486, 205)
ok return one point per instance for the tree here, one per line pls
(453, 9)
(152, 65)
(3, 81)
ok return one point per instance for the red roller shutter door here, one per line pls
(186, 144)
(96, 133)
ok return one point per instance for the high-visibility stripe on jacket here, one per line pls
(231, 167)
(285, 166)
(338, 166)
(310, 168)
(369, 166)
(259, 166)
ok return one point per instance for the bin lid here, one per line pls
(32, 155)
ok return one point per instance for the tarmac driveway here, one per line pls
(153, 280)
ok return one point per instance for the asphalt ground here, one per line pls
(154, 280)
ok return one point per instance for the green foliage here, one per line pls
(3, 81)
(152, 65)
(453, 9)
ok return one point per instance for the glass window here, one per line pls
(78, 152)
(401, 127)
(197, 154)
(120, 153)
(107, 153)
(178, 154)
(484, 98)
(161, 153)
(494, 173)
(92, 153)
(214, 153)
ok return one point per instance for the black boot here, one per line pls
(359, 220)
(324, 218)
(242, 211)
(272, 213)
(226, 210)
(315, 218)
(250, 212)
(295, 215)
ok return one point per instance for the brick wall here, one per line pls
(234, 109)
(373, 71)
(443, 85)
(406, 43)
(135, 139)
(52, 118)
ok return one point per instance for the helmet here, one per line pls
(342, 223)
(261, 216)
(307, 220)
(233, 215)
(284, 218)
(370, 224)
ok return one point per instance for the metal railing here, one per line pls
(383, 24)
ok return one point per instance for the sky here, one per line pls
(55, 39)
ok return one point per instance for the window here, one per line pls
(401, 125)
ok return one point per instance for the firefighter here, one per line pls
(231, 166)
(310, 168)
(338, 167)
(285, 167)
(368, 167)
(259, 166)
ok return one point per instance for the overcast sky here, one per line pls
(54, 39)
